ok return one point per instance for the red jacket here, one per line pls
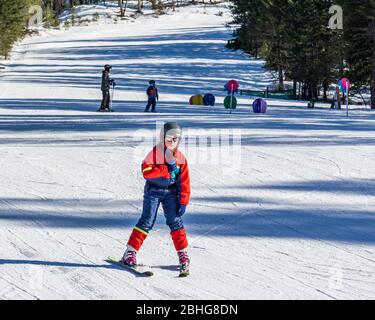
(155, 171)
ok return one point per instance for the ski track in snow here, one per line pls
(294, 221)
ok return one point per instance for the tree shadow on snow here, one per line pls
(54, 264)
(317, 129)
(241, 216)
(42, 263)
(183, 62)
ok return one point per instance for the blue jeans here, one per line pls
(151, 103)
(152, 199)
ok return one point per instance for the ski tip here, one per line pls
(112, 259)
(184, 274)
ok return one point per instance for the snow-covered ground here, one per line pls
(288, 215)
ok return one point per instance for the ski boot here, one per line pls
(129, 258)
(104, 110)
(184, 263)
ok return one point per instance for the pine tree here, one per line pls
(248, 14)
(276, 32)
(12, 23)
(292, 36)
(313, 56)
(359, 31)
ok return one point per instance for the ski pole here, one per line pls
(231, 99)
(347, 98)
(113, 94)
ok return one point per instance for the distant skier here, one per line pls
(106, 87)
(167, 183)
(153, 95)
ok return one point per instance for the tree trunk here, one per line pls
(310, 90)
(153, 4)
(373, 90)
(139, 8)
(325, 88)
(121, 4)
(160, 6)
(58, 7)
(126, 6)
(313, 90)
(304, 91)
(316, 91)
(281, 79)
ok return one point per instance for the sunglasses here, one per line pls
(170, 139)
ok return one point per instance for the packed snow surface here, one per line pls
(284, 210)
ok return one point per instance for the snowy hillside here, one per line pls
(287, 214)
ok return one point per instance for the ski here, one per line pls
(184, 274)
(139, 269)
(111, 110)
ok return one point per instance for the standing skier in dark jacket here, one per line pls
(106, 86)
(153, 95)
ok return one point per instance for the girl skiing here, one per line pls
(167, 183)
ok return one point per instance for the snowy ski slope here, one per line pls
(288, 214)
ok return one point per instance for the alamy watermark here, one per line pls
(336, 22)
(36, 16)
(215, 148)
